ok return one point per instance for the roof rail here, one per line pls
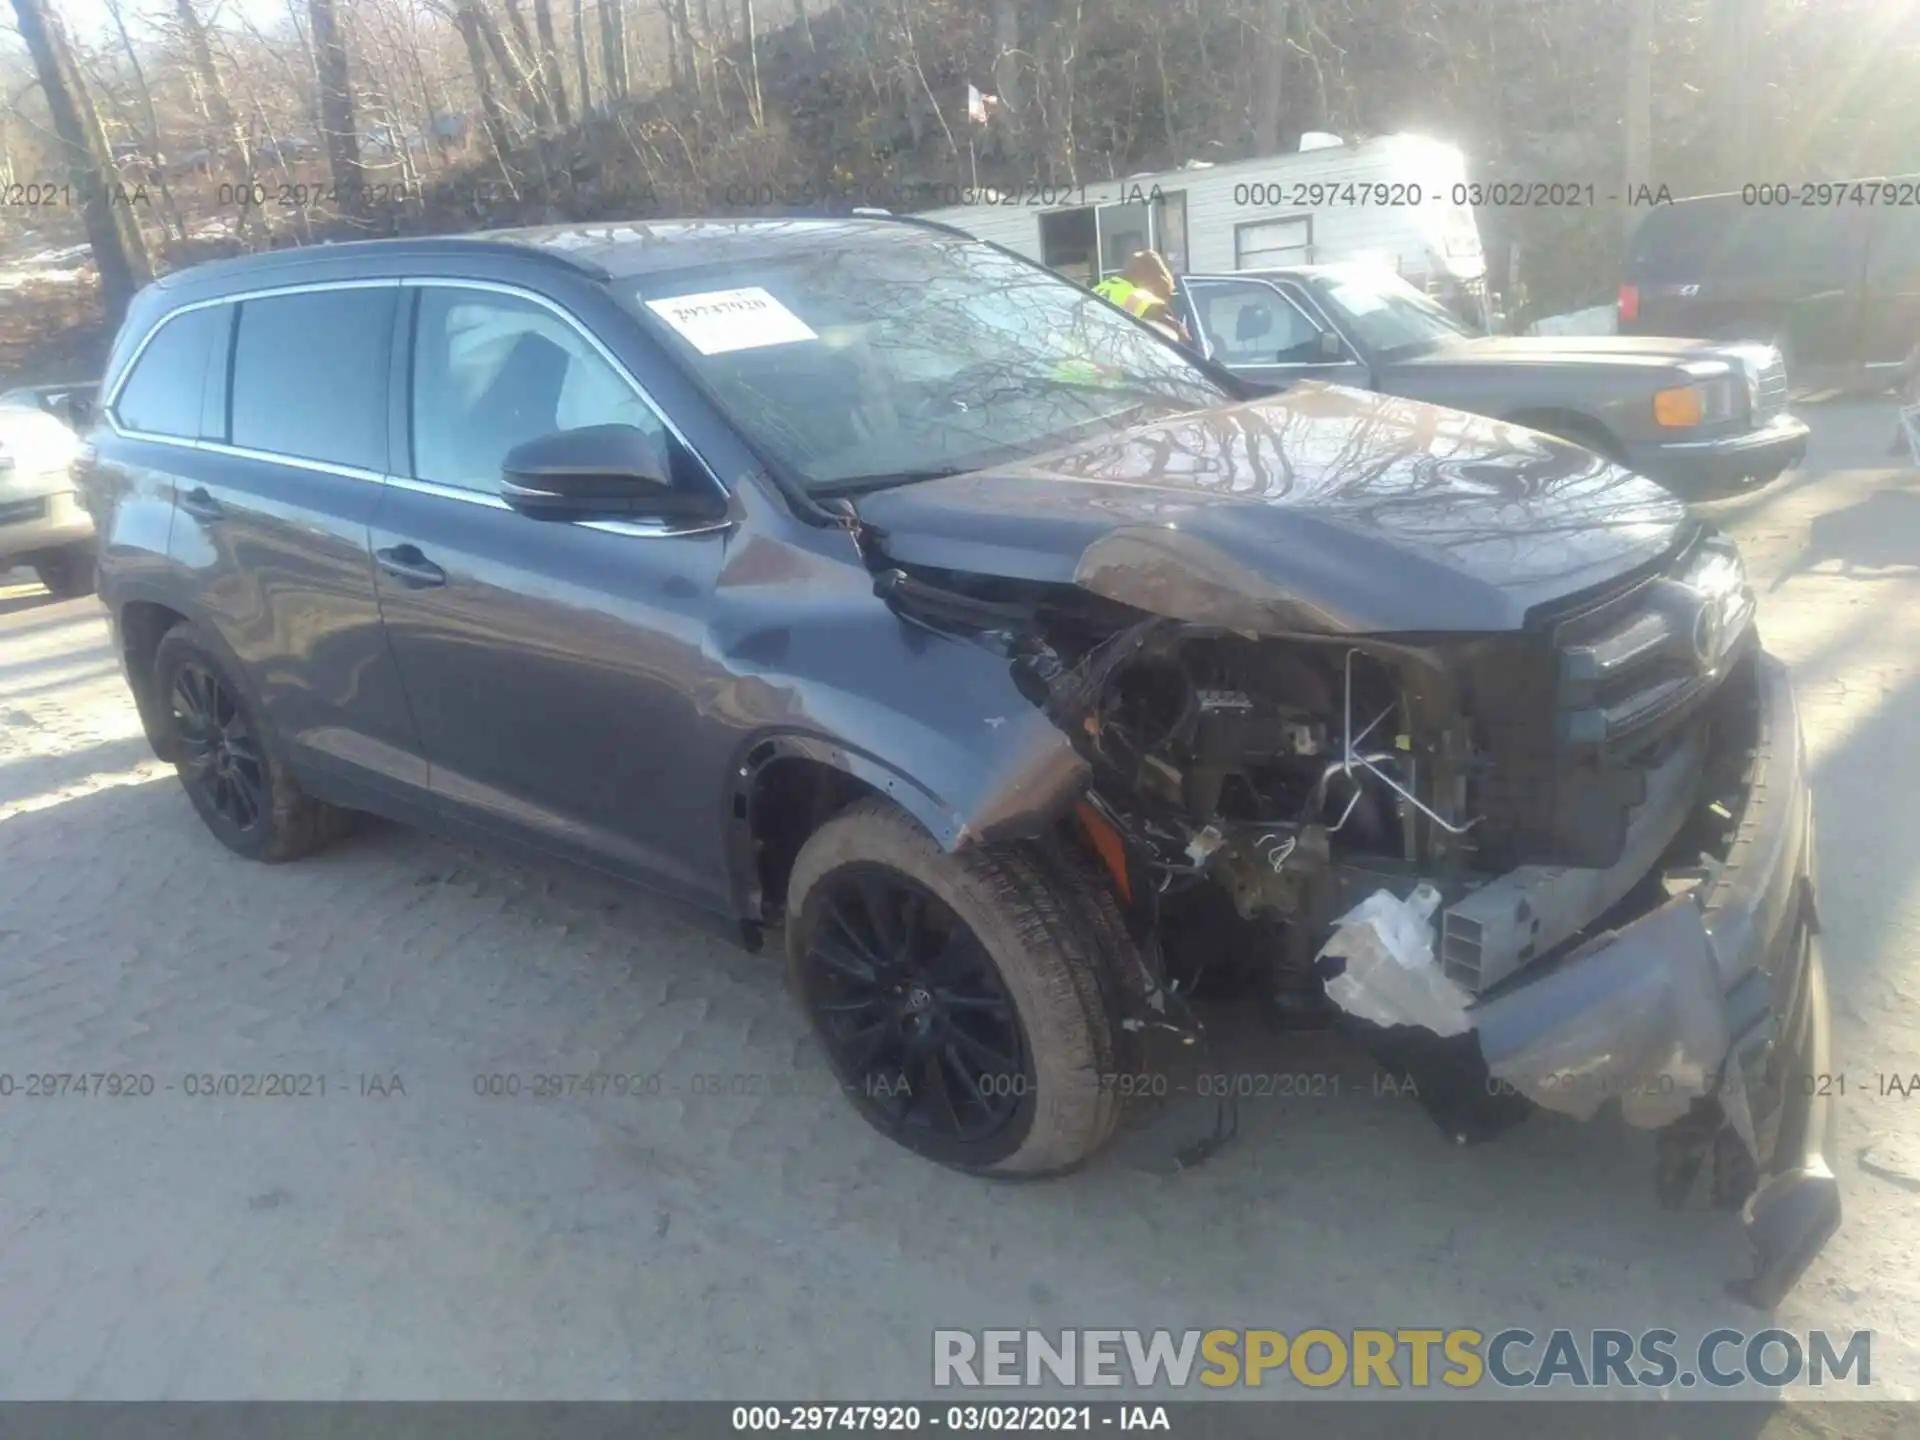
(479, 243)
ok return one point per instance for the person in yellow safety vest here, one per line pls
(1144, 288)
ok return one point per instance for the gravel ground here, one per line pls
(736, 1231)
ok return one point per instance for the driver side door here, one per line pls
(1253, 328)
(555, 668)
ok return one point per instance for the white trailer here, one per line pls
(1399, 200)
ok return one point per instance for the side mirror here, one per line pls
(1331, 347)
(598, 472)
(75, 408)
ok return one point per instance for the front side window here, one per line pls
(877, 356)
(310, 375)
(1389, 315)
(1254, 324)
(493, 371)
(162, 393)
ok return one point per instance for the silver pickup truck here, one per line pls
(1699, 416)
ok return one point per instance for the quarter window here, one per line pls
(310, 375)
(493, 371)
(161, 395)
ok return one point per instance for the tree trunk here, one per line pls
(613, 48)
(220, 115)
(583, 77)
(1269, 76)
(683, 27)
(1738, 84)
(1006, 59)
(170, 212)
(527, 61)
(473, 25)
(806, 22)
(118, 251)
(1638, 119)
(550, 71)
(507, 63)
(753, 62)
(336, 105)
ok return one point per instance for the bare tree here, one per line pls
(681, 24)
(1269, 75)
(753, 63)
(527, 62)
(551, 74)
(583, 77)
(1736, 86)
(511, 70)
(119, 253)
(1638, 117)
(336, 104)
(221, 117)
(474, 25)
(151, 145)
(613, 49)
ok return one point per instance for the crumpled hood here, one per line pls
(1322, 509)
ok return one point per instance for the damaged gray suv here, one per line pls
(861, 584)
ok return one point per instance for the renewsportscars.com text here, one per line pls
(1391, 1359)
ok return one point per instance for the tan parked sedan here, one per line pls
(42, 522)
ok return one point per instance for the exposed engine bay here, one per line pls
(1247, 791)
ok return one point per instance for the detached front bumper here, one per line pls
(1706, 1017)
(1702, 466)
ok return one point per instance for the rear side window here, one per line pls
(310, 376)
(1678, 242)
(1721, 237)
(161, 395)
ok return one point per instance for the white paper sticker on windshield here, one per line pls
(722, 320)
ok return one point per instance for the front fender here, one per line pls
(952, 741)
(932, 719)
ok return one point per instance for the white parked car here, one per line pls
(42, 521)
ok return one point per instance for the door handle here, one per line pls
(407, 565)
(199, 503)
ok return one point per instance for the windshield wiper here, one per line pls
(864, 484)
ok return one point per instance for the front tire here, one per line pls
(67, 574)
(968, 1003)
(229, 762)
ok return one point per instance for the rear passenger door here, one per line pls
(271, 524)
(558, 669)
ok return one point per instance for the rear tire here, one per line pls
(230, 765)
(67, 573)
(1000, 1008)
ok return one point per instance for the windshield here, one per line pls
(895, 355)
(1389, 315)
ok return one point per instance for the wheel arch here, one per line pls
(1568, 423)
(140, 624)
(784, 786)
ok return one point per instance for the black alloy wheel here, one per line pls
(220, 756)
(914, 1014)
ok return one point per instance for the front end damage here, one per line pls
(1605, 811)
